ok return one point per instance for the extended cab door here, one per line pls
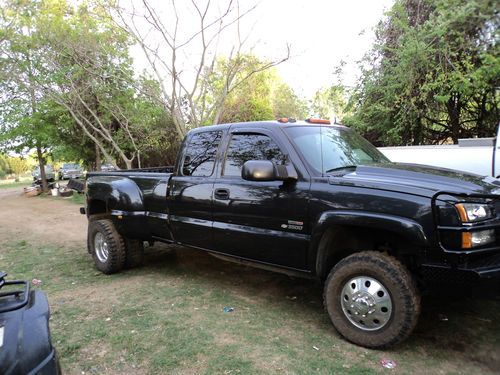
(190, 191)
(262, 221)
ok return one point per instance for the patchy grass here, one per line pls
(76, 198)
(11, 183)
(167, 318)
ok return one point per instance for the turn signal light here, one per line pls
(466, 240)
(478, 238)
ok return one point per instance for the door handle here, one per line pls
(222, 194)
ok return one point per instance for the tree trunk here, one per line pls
(33, 111)
(480, 126)
(418, 132)
(97, 158)
(41, 164)
(454, 106)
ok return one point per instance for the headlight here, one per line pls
(474, 212)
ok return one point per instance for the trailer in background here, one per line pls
(474, 155)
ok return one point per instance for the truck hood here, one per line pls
(416, 179)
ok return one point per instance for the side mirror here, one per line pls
(265, 170)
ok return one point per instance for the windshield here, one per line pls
(48, 168)
(327, 149)
(70, 166)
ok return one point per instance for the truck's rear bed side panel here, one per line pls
(154, 190)
(136, 201)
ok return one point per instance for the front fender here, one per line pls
(402, 226)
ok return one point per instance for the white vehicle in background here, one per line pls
(474, 155)
(49, 173)
(108, 167)
(70, 170)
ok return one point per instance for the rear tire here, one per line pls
(134, 253)
(372, 300)
(94, 217)
(106, 246)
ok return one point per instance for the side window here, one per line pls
(244, 147)
(201, 150)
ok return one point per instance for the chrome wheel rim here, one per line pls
(101, 247)
(366, 303)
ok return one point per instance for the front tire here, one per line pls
(372, 300)
(106, 246)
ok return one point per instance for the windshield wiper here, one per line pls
(340, 168)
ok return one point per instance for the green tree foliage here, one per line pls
(261, 96)
(153, 127)
(18, 166)
(4, 166)
(330, 103)
(433, 74)
(21, 66)
(71, 89)
(285, 102)
(90, 75)
(96, 85)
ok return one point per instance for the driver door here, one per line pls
(262, 221)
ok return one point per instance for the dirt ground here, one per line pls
(45, 220)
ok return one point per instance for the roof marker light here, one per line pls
(318, 121)
(285, 120)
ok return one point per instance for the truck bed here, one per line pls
(134, 172)
(138, 193)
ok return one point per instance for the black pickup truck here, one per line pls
(308, 199)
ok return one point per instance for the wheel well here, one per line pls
(96, 207)
(340, 241)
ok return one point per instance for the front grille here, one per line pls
(448, 275)
(485, 262)
(450, 233)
